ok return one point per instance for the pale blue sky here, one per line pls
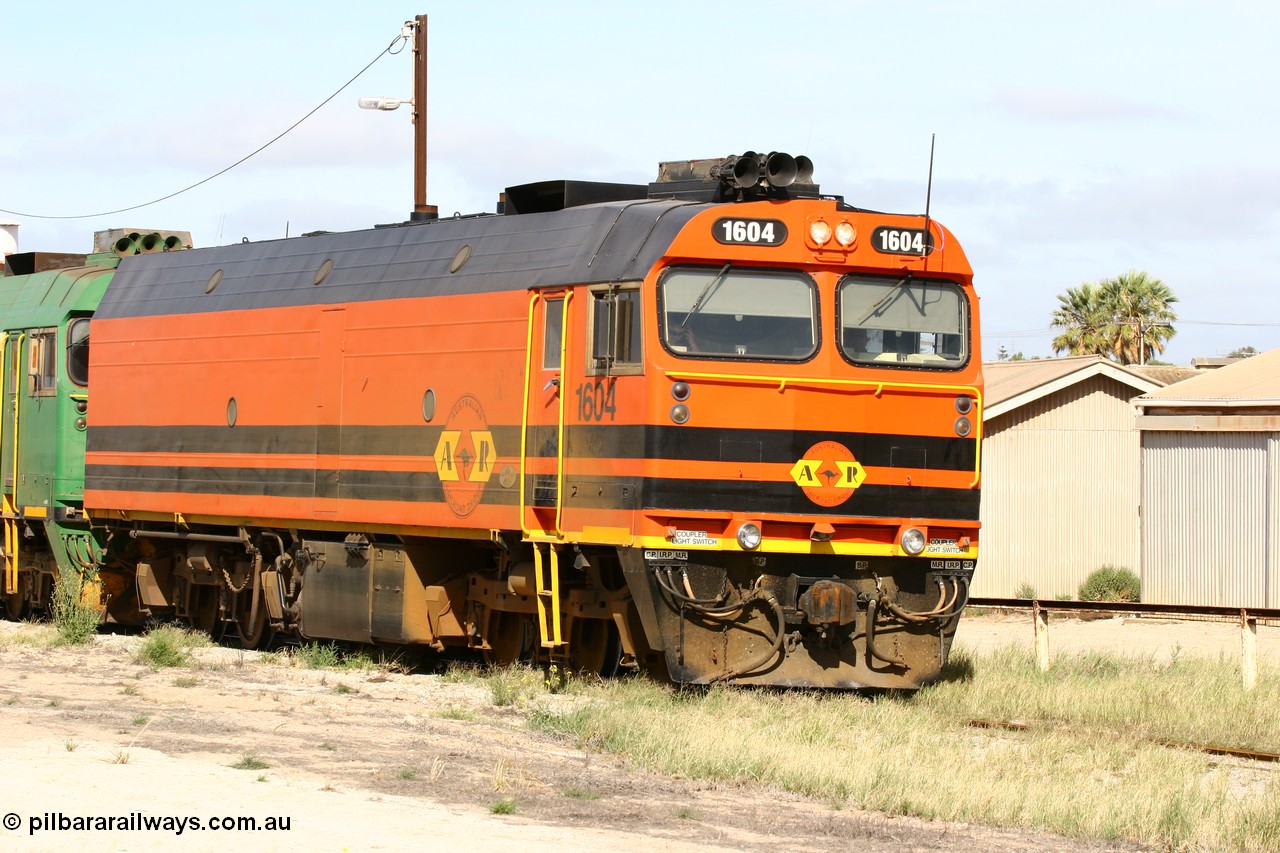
(1073, 143)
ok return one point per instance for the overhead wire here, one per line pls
(1051, 330)
(401, 39)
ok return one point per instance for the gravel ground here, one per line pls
(390, 761)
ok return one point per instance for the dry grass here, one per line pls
(1089, 765)
(169, 646)
(33, 635)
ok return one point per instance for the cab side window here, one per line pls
(78, 351)
(615, 332)
(42, 377)
(553, 333)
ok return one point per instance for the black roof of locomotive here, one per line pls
(611, 241)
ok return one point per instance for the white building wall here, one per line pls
(1209, 517)
(1060, 491)
(8, 238)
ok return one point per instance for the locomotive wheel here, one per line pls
(16, 606)
(595, 647)
(205, 617)
(253, 631)
(510, 636)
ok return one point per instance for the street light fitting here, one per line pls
(383, 103)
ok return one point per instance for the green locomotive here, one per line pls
(47, 301)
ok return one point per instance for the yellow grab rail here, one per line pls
(524, 414)
(878, 384)
(9, 499)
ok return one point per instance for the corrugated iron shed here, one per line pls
(1060, 473)
(1012, 384)
(1211, 487)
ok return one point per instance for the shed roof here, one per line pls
(1165, 374)
(1012, 384)
(1252, 381)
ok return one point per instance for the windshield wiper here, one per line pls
(697, 303)
(881, 302)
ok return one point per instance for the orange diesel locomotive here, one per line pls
(721, 427)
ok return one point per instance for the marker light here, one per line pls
(820, 232)
(846, 234)
(912, 541)
(749, 536)
(964, 404)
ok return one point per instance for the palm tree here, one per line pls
(1081, 317)
(1141, 315)
(1126, 318)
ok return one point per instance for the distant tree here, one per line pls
(1243, 352)
(1081, 317)
(1126, 318)
(1142, 315)
(1003, 354)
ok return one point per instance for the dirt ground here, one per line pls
(390, 761)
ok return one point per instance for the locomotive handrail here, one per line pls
(524, 416)
(10, 558)
(564, 354)
(524, 411)
(783, 381)
(879, 384)
(11, 537)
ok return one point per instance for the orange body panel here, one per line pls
(315, 413)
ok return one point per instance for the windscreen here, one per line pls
(753, 315)
(905, 320)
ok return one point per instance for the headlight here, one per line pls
(749, 536)
(846, 234)
(913, 541)
(819, 232)
(963, 427)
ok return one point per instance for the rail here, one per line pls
(1136, 607)
(1247, 618)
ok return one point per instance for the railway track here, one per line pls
(1212, 749)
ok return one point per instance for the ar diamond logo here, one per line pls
(828, 474)
(465, 456)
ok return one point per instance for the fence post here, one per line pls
(1249, 650)
(1041, 618)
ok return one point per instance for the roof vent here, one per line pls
(547, 196)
